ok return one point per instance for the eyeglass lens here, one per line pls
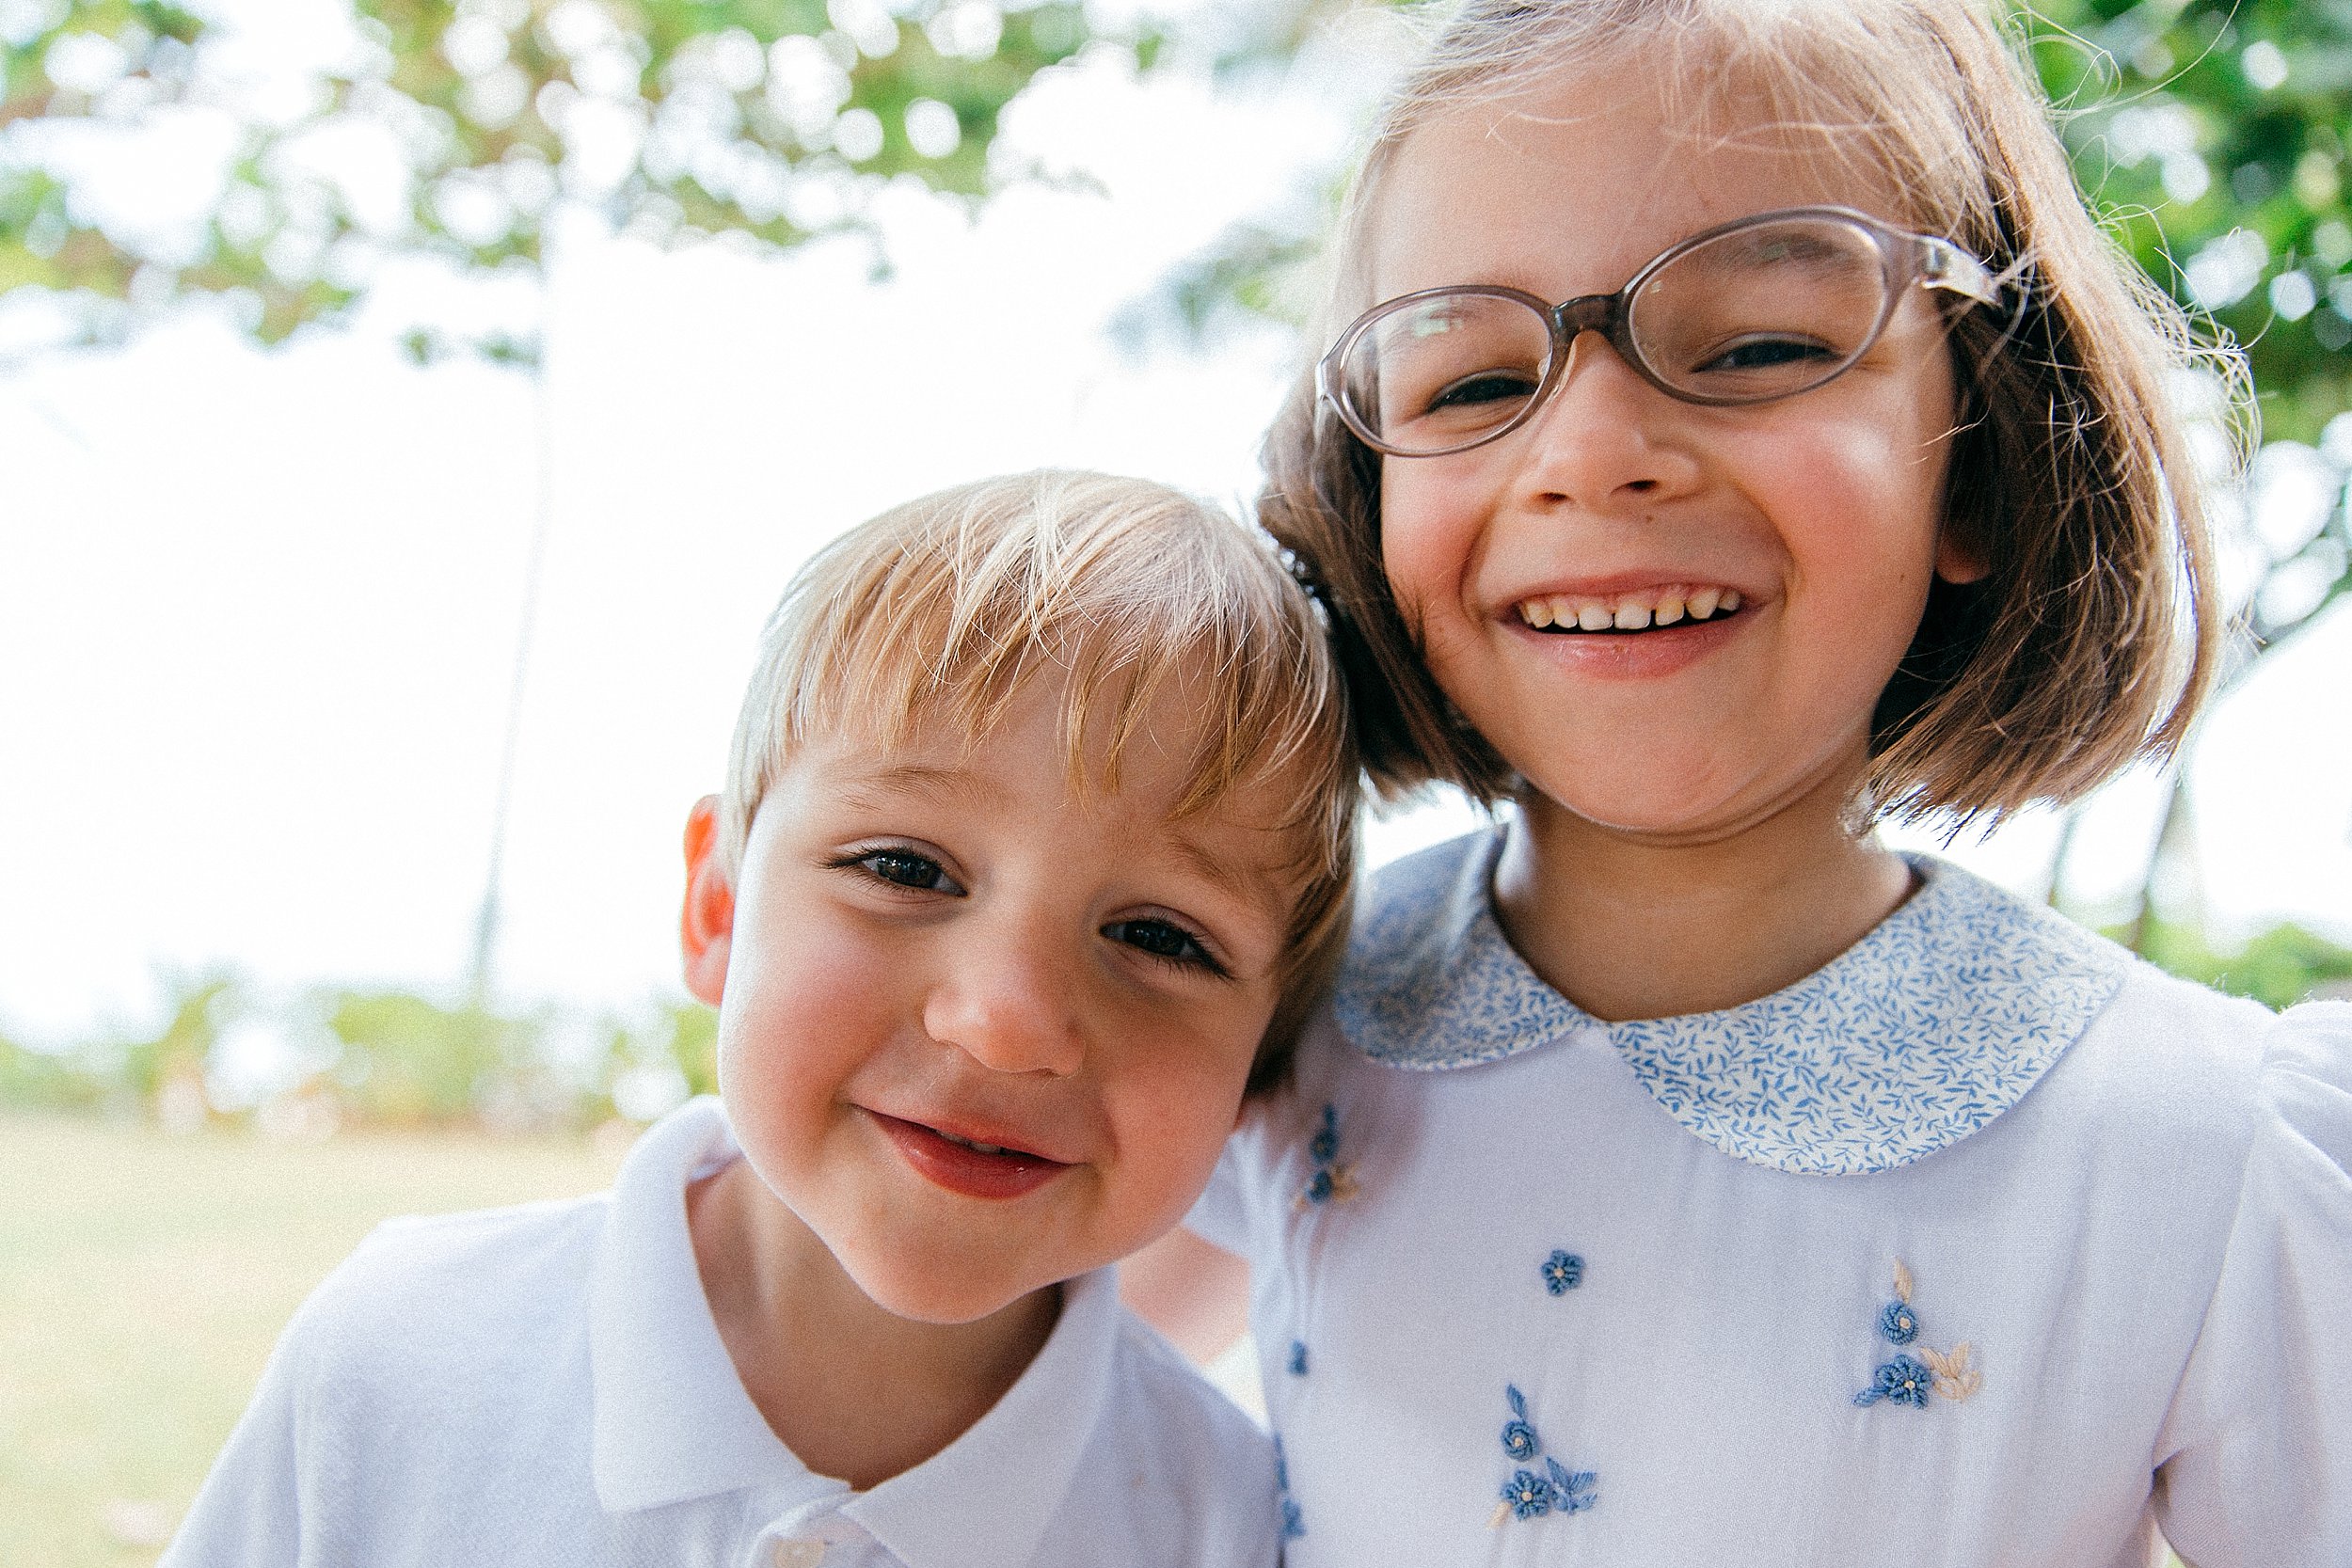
(1757, 313)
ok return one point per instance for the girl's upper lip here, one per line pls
(1618, 584)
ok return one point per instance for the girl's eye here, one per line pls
(1764, 354)
(906, 868)
(1162, 939)
(1485, 387)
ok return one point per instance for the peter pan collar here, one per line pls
(1937, 1022)
(673, 1421)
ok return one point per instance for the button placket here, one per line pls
(799, 1552)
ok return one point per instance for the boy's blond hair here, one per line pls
(2091, 639)
(940, 609)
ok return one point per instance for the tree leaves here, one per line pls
(770, 120)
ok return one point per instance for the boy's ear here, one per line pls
(708, 926)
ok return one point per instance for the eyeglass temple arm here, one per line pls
(1945, 266)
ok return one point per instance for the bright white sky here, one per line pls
(258, 610)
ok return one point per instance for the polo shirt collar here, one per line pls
(988, 1496)
(1942, 1017)
(673, 1421)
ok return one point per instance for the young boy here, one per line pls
(1036, 845)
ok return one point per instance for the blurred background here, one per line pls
(409, 411)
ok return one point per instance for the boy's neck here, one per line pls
(1627, 926)
(855, 1392)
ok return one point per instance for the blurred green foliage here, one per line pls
(669, 118)
(2283, 966)
(380, 1058)
(2213, 133)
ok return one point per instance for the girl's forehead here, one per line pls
(1567, 186)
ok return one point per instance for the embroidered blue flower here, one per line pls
(1293, 1521)
(1298, 1358)
(1519, 1433)
(1563, 1272)
(1323, 1146)
(1907, 1381)
(1333, 1181)
(1530, 1494)
(1897, 1323)
(1901, 1380)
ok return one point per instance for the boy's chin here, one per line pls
(920, 1294)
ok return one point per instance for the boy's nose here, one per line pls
(1603, 440)
(1007, 1011)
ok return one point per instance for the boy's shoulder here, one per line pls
(1172, 1462)
(430, 1302)
(1178, 1410)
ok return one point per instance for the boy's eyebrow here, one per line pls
(1258, 890)
(871, 787)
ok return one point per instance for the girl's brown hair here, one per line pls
(2091, 639)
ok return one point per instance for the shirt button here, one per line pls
(800, 1554)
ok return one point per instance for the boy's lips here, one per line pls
(970, 1167)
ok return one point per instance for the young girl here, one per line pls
(1683, 1178)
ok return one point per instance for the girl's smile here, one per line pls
(1741, 582)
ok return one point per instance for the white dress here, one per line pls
(1984, 1244)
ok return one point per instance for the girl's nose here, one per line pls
(1008, 1009)
(1608, 440)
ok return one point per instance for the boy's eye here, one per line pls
(906, 868)
(1162, 939)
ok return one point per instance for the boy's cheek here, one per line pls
(1177, 1120)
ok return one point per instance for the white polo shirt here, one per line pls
(546, 1384)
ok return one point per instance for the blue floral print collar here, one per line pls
(1937, 1022)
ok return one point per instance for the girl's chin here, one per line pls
(1665, 813)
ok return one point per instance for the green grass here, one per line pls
(144, 1277)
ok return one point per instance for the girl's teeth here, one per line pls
(1674, 605)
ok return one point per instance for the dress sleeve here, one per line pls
(2254, 1463)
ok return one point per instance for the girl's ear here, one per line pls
(708, 926)
(1954, 561)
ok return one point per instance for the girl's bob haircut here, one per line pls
(2091, 639)
(938, 611)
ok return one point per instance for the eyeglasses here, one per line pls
(1750, 311)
